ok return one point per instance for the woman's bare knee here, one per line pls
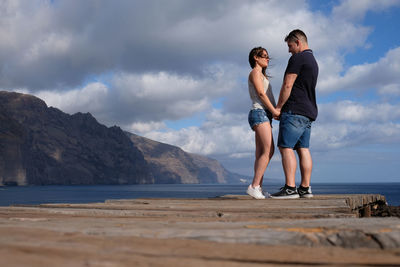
(271, 152)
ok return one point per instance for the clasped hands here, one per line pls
(277, 114)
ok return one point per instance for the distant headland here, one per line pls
(41, 145)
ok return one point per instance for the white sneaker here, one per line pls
(255, 192)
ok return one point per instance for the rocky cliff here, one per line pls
(42, 145)
(170, 164)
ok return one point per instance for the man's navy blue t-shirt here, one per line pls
(302, 99)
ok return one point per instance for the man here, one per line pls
(298, 107)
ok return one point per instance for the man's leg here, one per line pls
(289, 134)
(306, 165)
(289, 164)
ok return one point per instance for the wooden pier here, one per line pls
(232, 230)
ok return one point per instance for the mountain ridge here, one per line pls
(41, 145)
(193, 167)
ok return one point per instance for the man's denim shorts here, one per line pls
(258, 116)
(294, 131)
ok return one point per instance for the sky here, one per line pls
(176, 71)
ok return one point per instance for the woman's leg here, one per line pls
(271, 153)
(264, 151)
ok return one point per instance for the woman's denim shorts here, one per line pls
(258, 116)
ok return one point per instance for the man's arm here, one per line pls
(286, 89)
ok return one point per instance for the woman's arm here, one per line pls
(256, 78)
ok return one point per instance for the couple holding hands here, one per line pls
(296, 110)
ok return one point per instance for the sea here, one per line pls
(32, 195)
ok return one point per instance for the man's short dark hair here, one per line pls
(296, 35)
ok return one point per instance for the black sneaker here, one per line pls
(305, 192)
(286, 193)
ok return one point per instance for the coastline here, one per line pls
(33, 195)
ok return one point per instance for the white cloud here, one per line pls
(241, 155)
(347, 124)
(380, 74)
(51, 46)
(166, 87)
(166, 96)
(356, 10)
(90, 98)
(353, 112)
(390, 90)
(328, 136)
(145, 127)
(220, 134)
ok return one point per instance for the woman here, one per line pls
(260, 117)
